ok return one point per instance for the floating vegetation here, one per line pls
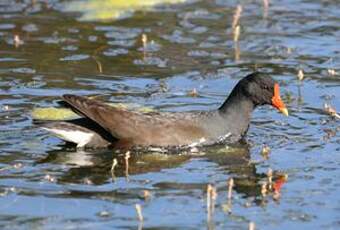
(53, 114)
(112, 9)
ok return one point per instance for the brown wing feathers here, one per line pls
(111, 119)
(139, 128)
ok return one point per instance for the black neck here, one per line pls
(237, 110)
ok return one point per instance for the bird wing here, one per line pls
(159, 129)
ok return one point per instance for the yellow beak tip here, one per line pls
(284, 111)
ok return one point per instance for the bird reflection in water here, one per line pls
(95, 168)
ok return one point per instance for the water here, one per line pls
(45, 184)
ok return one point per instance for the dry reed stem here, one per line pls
(127, 156)
(265, 152)
(265, 8)
(211, 198)
(252, 226)
(264, 189)
(300, 75)
(237, 16)
(139, 212)
(114, 163)
(331, 111)
(236, 33)
(144, 40)
(146, 194)
(227, 207)
(237, 52)
(209, 188)
(270, 179)
(230, 188)
(95, 58)
(193, 93)
(17, 41)
(276, 195)
(99, 64)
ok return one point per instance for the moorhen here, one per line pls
(103, 125)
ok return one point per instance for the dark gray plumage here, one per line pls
(124, 128)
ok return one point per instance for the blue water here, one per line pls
(45, 184)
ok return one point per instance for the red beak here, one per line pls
(277, 101)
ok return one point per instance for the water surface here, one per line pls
(47, 49)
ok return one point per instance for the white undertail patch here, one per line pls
(78, 137)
